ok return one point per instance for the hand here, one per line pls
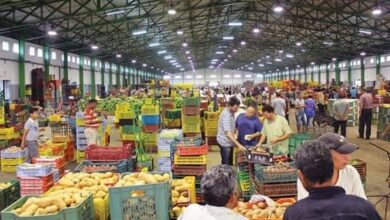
(249, 137)
(274, 141)
(241, 148)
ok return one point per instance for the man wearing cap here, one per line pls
(345, 176)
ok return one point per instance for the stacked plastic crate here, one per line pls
(191, 116)
(211, 126)
(69, 142)
(165, 148)
(35, 179)
(58, 164)
(150, 125)
(383, 121)
(81, 140)
(11, 158)
(170, 115)
(295, 140)
(353, 111)
(129, 127)
(7, 137)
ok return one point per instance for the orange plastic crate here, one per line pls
(192, 151)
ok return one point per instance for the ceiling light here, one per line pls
(219, 52)
(334, 59)
(177, 77)
(228, 38)
(312, 63)
(235, 23)
(250, 68)
(179, 32)
(209, 67)
(167, 57)
(152, 67)
(298, 44)
(213, 76)
(260, 64)
(154, 44)
(248, 75)
(139, 32)
(243, 43)
(303, 50)
(144, 65)
(286, 68)
(364, 31)
(278, 60)
(200, 76)
(234, 51)
(229, 56)
(298, 66)
(267, 56)
(133, 61)
(118, 56)
(171, 11)
(188, 76)
(189, 57)
(161, 52)
(237, 75)
(187, 52)
(115, 12)
(328, 43)
(256, 30)
(270, 63)
(227, 76)
(172, 61)
(185, 44)
(377, 11)
(280, 51)
(94, 47)
(278, 8)
(225, 60)
(215, 60)
(52, 33)
(289, 55)
(362, 53)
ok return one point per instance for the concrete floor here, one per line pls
(377, 163)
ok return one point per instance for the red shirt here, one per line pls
(91, 119)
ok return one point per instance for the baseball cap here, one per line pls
(338, 143)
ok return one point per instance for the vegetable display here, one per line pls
(5, 185)
(279, 167)
(97, 168)
(109, 104)
(261, 210)
(180, 196)
(141, 178)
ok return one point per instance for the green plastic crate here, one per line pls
(191, 101)
(173, 113)
(4, 143)
(10, 194)
(153, 204)
(129, 129)
(84, 211)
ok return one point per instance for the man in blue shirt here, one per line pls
(310, 110)
(353, 92)
(326, 201)
(249, 126)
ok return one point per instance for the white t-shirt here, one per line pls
(207, 212)
(349, 180)
(299, 102)
(279, 105)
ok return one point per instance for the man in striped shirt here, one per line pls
(92, 122)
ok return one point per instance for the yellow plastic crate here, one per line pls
(7, 133)
(130, 137)
(220, 109)
(55, 118)
(124, 115)
(2, 120)
(190, 160)
(102, 209)
(209, 124)
(147, 137)
(191, 128)
(8, 168)
(211, 115)
(211, 132)
(172, 123)
(191, 119)
(80, 122)
(190, 180)
(150, 110)
(9, 162)
(148, 101)
(122, 107)
(80, 156)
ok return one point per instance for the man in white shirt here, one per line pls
(345, 176)
(220, 189)
(279, 105)
(300, 113)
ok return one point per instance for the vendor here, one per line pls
(276, 130)
(30, 135)
(219, 185)
(249, 126)
(345, 176)
(92, 123)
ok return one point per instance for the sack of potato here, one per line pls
(142, 178)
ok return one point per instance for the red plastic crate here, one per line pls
(191, 110)
(189, 170)
(34, 191)
(204, 105)
(69, 155)
(35, 182)
(151, 128)
(193, 150)
(57, 163)
(96, 153)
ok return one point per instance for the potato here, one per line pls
(58, 203)
(30, 210)
(175, 194)
(149, 178)
(40, 211)
(165, 177)
(52, 209)
(184, 194)
(43, 202)
(100, 194)
(66, 182)
(27, 204)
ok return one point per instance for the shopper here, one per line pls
(344, 175)
(220, 190)
(340, 114)
(249, 126)
(353, 92)
(287, 107)
(326, 201)
(279, 104)
(31, 135)
(226, 130)
(276, 130)
(300, 113)
(321, 102)
(365, 104)
(92, 123)
(310, 110)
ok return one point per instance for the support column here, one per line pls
(337, 73)
(349, 72)
(327, 74)
(378, 65)
(46, 60)
(110, 77)
(312, 74)
(66, 67)
(22, 74)
(137, 76)
(319, 74)
(299, 75)
(362, 69)
(81, 75)
(124, 72)
(133, 76)
(305, 72)
(118, 78)
(93, 83)
(289, 74)
(102, 69)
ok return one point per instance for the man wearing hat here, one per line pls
(344, 175)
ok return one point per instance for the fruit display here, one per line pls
(37, 206)
(280, 167)
(180, 196)
(109, 104)
(82, 180)
(5, 185)
(141, 178)
(13, 149)
(177, 210)
(261, 210)
(97, 168)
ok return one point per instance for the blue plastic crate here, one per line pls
(9, 155)
(121, 166)
(34, 170)
(150, 119)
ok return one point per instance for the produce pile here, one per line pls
(13, 149)
(280, 167)
(109, 104)
(180, 196)
(261, 210)
(141, 178)
(97, 168)
(178, 102)
(37, 206)
(5, 185)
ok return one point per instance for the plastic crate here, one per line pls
(56, 162)
(121, 166)
(264, 176)
(124, 115)
(277, 190)
(150, 110)
(190, 180)
(186, 170)
(189, 141)
(80, 156)
(150, 119)
(259, 158)
(151, 128)
(12, 162)
(130, 137)
(35, 182)
(361, 167)
(190, 160)
(191, 101)
(192, 151)
(96, 153)
(129, 129)
(210, 132)
(191, 128)
(191, 119)
(7, 133)
(54, 118)
(84, 211)
(191, 110)
(35, 190)
(122, 107)
(172, 123)
(10, 194)
(210, 124)
(34, 170)
(173, 113)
